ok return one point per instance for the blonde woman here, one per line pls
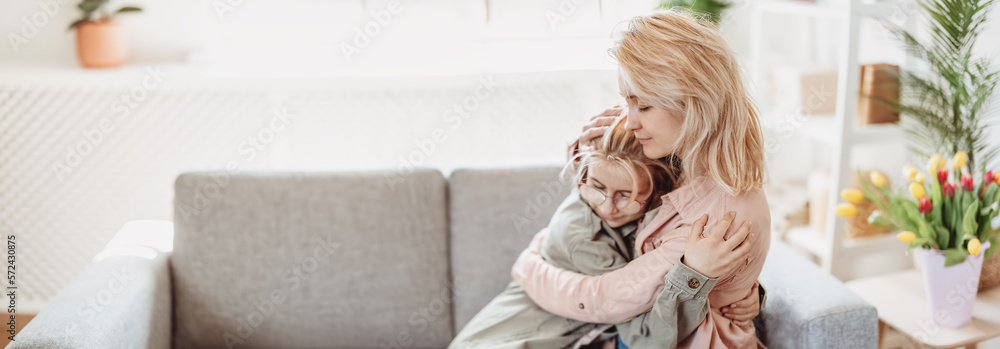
(687, 101)
(593, 232)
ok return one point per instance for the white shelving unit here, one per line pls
(844, 258)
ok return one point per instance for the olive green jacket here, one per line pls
(580, 241)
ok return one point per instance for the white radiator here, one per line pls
(77, 160)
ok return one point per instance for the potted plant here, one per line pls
(710, 9)
(945, 104)
(948, 220)
(100, 41)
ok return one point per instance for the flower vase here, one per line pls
(951, 291)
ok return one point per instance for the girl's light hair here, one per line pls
(619, 148)
(675, 62)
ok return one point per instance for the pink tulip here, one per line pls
(949, 190)
(942, 175)
(925, 205)
(967, 182)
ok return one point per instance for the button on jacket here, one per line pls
(577, 239)
(660, 243)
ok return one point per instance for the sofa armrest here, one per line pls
(809, 308)
(121, 300)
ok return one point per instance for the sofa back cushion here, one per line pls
(315, 260)
(494, 214)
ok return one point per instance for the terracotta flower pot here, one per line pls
(101, 44)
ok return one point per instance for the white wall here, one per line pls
(989, 46)
(169, 31)
(64, 217)
(548, 109)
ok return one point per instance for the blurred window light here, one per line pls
(416, 37)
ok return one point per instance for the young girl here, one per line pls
(593, 232)
(687, 98)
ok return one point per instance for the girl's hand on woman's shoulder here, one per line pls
(743, 311)
(714, 256)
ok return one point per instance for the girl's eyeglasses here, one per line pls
(597, 197)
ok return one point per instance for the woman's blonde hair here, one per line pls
(620, 148)
(675, 62)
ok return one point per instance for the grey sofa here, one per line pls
(358, 260)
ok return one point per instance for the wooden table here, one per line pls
(902, 303)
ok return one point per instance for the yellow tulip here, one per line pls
(906, 236)
(917, 190)
(974, 246)
(998, 178)
(910, 172)
(878, 179)
(919, 179)
(935, 163)
(846, 210)
(853, 195)
(960, 158)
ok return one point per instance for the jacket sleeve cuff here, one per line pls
(691, 283)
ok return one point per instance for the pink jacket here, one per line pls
(623, 294)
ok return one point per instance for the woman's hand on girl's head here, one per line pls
(714, 256)
(743, 311)
(599, 124)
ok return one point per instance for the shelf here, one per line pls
(842, 257)
(387, 59)
(800, 8)
(876, 243)
(877, 9)
(821, 129)
(808, 239)
(878, 133)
